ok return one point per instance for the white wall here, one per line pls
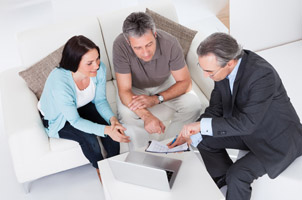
(260, 24)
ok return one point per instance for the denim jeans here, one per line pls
(89, 142)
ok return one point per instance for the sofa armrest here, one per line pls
(22, 124)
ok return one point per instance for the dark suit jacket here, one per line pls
(260, 112)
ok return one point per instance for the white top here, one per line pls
(85, 96)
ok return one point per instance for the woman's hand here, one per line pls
(114, 122)
(116, 131)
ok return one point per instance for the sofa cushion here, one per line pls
(183, 34)
(36, 75)
(60, 144)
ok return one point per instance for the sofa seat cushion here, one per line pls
(59, 145)
(286, 186)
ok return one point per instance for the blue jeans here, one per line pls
(88, 142)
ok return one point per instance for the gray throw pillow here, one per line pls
(183, 34)
(36, 75)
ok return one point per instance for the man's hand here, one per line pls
(190, 129)
(153, 124)
(142, 101)
(185, 134)
(179, 141)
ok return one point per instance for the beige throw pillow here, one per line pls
(36, 75)
(183, 34)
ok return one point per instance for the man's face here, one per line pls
(211, 68)
(144, 47)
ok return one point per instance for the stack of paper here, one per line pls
(157, 147)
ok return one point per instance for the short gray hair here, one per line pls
(137, 24)
(223, 46)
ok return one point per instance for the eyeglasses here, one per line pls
(211, 73)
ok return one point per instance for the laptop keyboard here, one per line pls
(169, 174)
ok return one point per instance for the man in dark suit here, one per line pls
(249, 110)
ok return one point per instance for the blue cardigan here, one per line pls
(59, 104)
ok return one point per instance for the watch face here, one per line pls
(160, 98)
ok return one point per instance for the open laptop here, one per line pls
(146, 170)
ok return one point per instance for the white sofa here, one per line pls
(274, 31)
(34, 154)
(287, 61)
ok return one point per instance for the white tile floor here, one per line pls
(18, 15)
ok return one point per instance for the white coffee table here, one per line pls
(192, 181)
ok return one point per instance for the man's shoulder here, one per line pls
(121, 46)
(252, 58)
(252, 55)
(168, 42)
(164, 36)
(255, 66)
(120, 39)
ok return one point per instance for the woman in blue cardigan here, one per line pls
(74, 104)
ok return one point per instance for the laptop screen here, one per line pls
(146, 170)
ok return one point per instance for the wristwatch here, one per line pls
(160, 98)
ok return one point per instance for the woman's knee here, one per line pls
(112, 147)
(91, 142)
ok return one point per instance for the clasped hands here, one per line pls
(142, 101)
(184, 136)
(116, 131)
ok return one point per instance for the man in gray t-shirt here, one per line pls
(150, 70)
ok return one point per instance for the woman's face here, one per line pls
(89, 63)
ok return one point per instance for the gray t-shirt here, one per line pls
(168, 57)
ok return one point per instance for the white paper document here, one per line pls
(157, 147)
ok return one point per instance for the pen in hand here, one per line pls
(174, 139)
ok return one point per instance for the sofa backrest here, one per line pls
(36, 44)
(111, 23)
(259, 24)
